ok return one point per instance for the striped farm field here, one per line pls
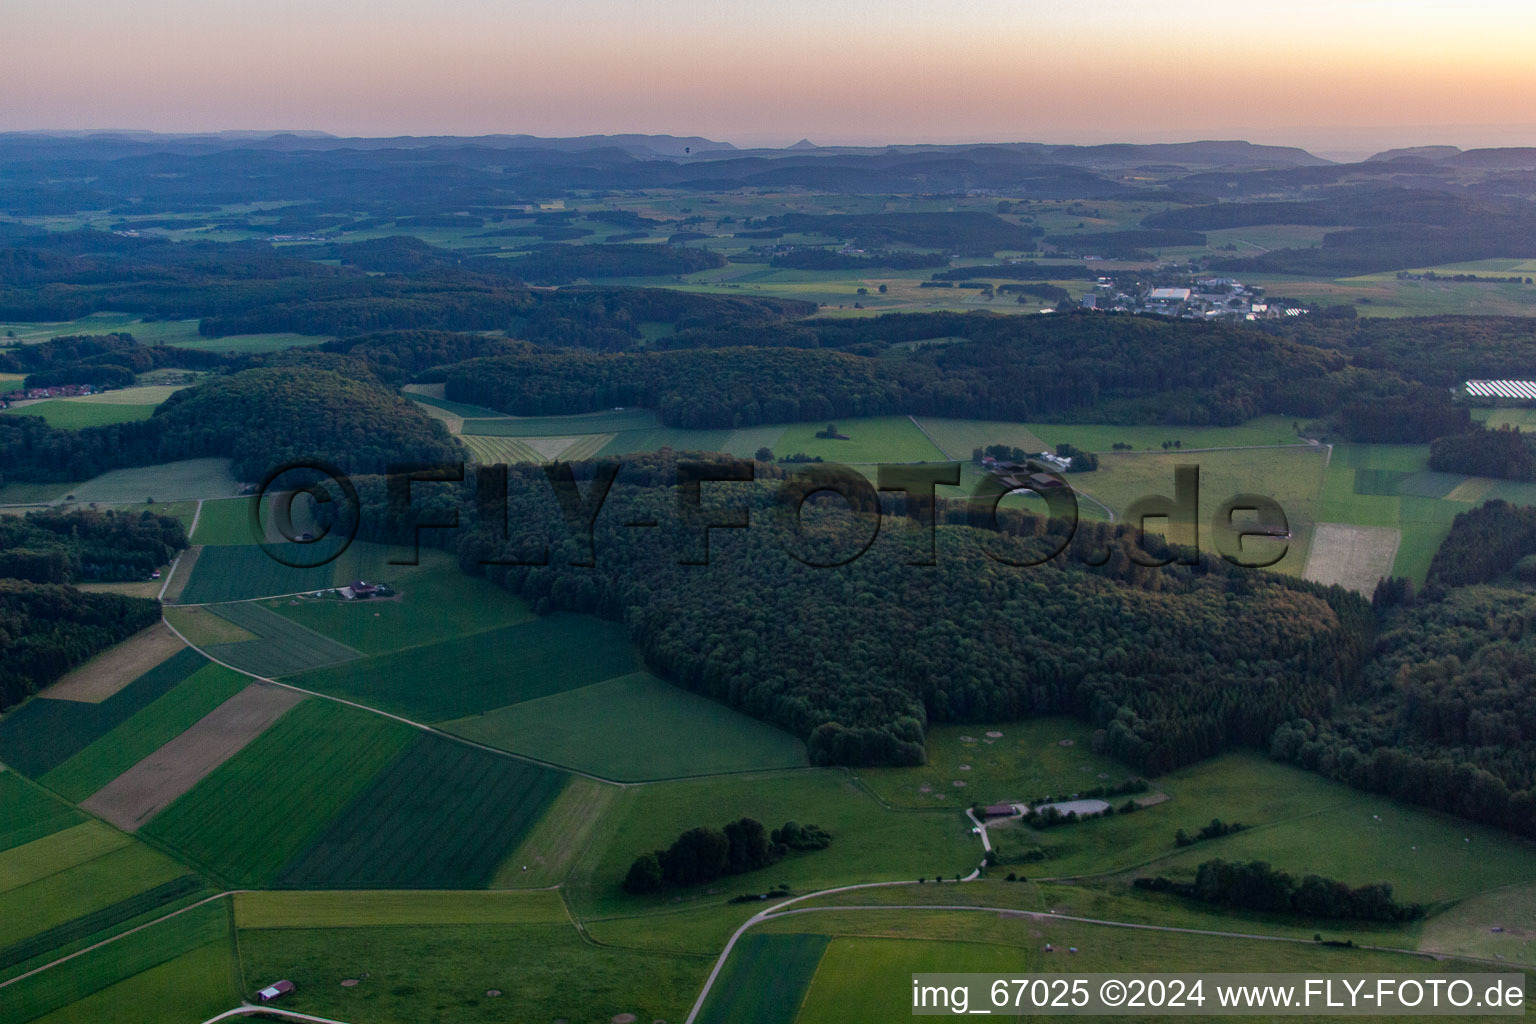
(43, 733)
(178, 969)
(145, 732)
(441, 815)
(353, 909)
(265, 804)
(765, 979)
(474, 674)
(59, 851)
(28, 813)
(82, 889)
(226, 521)
(563, 426)
(242, 572)
(493, 451)
(281, 646)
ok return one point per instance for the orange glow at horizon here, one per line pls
(855, 71)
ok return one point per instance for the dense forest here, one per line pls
(336, 412)
(1172, 663)
(70, 547)
(1504, 452)
(47, 629)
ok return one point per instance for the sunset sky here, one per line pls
(1321, 73)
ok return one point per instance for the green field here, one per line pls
(445, 974)
(57, 851)
(203, 627)
(178, 969)
(869, 842)
(551, 847)
(145, 732)
(264, 805)
(224, 522)
(159, 332)
(877, 439)
(441, 815)
(765, 979)
(1373, 485)
(245, 572)
(455, 678)
(281, 646)
(170, 481)
(867, 979)
(634, 728)
(1027, 761)
(350, 909)
(43, 733)
(81, 890)
(436, 602)
(72, 414)
(494, 451)
(28, 813)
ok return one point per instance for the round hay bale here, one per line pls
(959, 783)
(494, 993)
(965, 767)
(994, 734)
(624, 1018)
(349, 983)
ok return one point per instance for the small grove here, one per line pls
(1254, 885)
(704, 854)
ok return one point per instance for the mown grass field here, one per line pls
(169, 481)
(436, 602)
(178, 969)
(877, 439)
(144, 732)
(634, 728)
(28, 813)
(280, 646)
(72, 414)
(1027, 761)
(227, 521)
(444, 974)
(259, 809)
(440, 815)
(248, 571)
(353, 909)
(57, 851)
(470, 675)
(554, 426)
(869, 979)
(552, 845)
(1371, 485)
(869, 842)
(44, 733)
(203, 627)
(765, 980)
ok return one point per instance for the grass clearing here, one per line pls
(456, 678)
(635, 728)
(1042, 756)
(144, 732)
(265, 804)
(876, 439)
(169, 481)
(280, 646)
(441, 815)
(42, 734)
(352, 909)
(550, 849)
(73, 414)
(765, 979)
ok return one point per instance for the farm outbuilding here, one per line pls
(274, 991)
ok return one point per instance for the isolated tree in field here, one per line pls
(764, 454)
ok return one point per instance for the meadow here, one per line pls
(554, 426)
(81, 890)
(227, 521)
(1375, 485)
(634, 728)
(876, 439)
(1041, 756)
(470, 675)
(144, 732)
(203, 627)
(440, 815)
(551, 846)
(252, 815)
(280, 646)
(182, 333)
(44, 733)
(169, 481)
(244, 572)
(447, 974)
(869, 842)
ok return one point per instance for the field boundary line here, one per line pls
(931, 439)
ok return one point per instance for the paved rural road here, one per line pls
(246, 1009)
